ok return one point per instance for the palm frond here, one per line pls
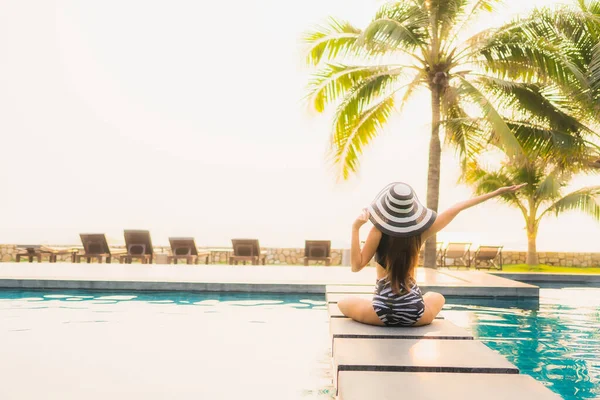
(527, 171)
(419, 80)
(547, 105)
(334, 81)
(591, 6)
(347, 145)
(594, 72)
(586, 200)
(501, 131)
(552, 144)
(362, 97)
(462, 131)
(468, 16)
(484, 5)
(484, 181)
(549, 188)
(398, 26)
(336, 38)
(447, 13)
(533, 44)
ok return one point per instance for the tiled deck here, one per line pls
(415, 355)
(293, 279)
(345, 328)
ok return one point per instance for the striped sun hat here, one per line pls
(396, 211)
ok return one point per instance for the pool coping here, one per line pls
(298, 288)
(548, 277)
(259, 279)
(161, 286)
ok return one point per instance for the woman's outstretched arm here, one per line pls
(359, 258)
(444, 218)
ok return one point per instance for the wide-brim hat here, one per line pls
(396, 211)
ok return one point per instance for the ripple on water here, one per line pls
(116, 298)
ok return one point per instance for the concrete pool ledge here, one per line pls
(251, 278)
(417, 355)
(160, 286)
(455, 283)
(523, 290)
(360, 385)
(433, 368)
(345, 328)
(549, 277)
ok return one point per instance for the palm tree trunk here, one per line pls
(532, 256)
(433, 173)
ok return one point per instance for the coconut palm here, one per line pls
(543, 195)
(414, 44)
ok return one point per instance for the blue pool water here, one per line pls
(90, 345)
(556, 341)
(185, 345)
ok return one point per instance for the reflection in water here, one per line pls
(187, 345)
(425, 351)
(558, 343)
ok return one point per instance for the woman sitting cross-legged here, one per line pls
(400, 225)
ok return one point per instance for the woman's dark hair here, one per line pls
(401, 258)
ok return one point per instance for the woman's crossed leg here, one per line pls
(362, 310)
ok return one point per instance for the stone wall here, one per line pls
(555, 258)
(285, 256)
(294, 256)
(275, 256)
(563, 259)
(7, 252)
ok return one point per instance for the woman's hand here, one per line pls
(362, 219)
(510, 189)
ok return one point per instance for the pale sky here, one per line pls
(186, 118)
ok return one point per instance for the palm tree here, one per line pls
(409, 45)
(543, 194)
(412, 44)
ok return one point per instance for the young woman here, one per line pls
(400, 225)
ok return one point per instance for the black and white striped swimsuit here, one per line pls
(403, 309)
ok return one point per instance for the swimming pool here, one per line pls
(187, 345)
(90, 345)
(556, 341)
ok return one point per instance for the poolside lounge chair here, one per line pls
(317, 250)
(96, 246)
(185, 248)
(54, 252)
(458, 252)
(247, 250)
(30, 252)
(491, 256)
(138, 245)
(39, 251)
